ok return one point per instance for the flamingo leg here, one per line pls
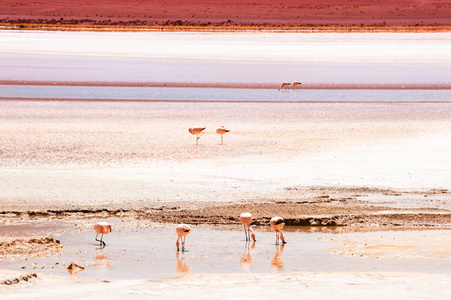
(198, 137)
(101, 242)
(245, 232)
(282, 238)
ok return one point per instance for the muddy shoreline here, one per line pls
(317, 207)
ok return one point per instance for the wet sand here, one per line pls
(299, 160)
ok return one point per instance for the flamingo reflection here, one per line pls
(101, 261)
(276, 261)
(181, 264)
(246, 258)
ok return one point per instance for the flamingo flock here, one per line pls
(183, 230)
(199, 131)
(285, 85)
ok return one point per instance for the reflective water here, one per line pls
(151, 253)
(218, 94)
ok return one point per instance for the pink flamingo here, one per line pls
(221, 130)
(284, 85)
(246, 220)
(277, 224)
(198, 132)
(182, 231)
(102, 228)
(295, 84)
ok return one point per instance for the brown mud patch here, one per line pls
(8, 277)
(18, 247)
(312, 206)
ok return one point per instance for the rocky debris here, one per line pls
(19, 279)
(27, 246)
(73, 268)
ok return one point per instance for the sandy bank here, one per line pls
(130, 158)
(250, 286)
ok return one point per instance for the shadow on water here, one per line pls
(151, 253)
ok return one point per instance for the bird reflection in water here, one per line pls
(246, 258)
(101, 261)
(276, 261)
(182, 267)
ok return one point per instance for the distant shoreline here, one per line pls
(219, 28)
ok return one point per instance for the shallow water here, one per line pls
(218, 94)
(151, 253)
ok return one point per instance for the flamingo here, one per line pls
(296, 83)
(102, 228)
(221, 130)
(284, 85)
(182, 231)
(246, 220)
(198, 132)
(277, 224)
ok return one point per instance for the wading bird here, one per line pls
(277, 224)
(295, 84)
(198, 132)
(102, 228)
(284, 85)
(182, 231)
(221, 130)
(246, 220)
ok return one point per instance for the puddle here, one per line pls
(151, 252)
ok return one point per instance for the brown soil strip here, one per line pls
(335, 212)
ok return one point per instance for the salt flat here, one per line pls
(249, 57)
